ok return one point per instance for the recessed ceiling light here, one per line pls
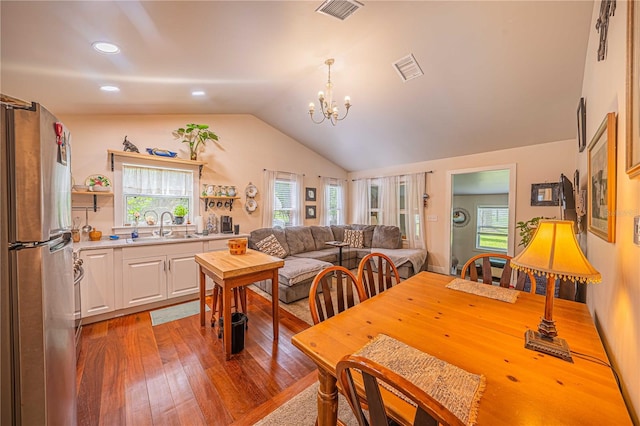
(105, 47)
(197, 93)
(110, 88)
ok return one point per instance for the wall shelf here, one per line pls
(95, 196)
(112, 153)
(227, 201)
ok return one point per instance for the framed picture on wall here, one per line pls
(310, 212)
(633, 90)
(582, 129)
(545, 194)
(310, 194)
(602, 180)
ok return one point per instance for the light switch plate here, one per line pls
(636, 230)
(432, 218)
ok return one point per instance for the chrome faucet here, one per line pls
(162, 222)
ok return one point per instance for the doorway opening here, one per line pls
(481, 206)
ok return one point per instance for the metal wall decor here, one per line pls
(607, 8)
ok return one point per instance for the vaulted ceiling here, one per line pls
(497, 74)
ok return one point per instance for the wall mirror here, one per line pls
(545, 194)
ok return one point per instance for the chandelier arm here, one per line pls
(317, 122)
(343, 117)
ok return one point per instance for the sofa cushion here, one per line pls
(262, 233)
(299, 239)
(270, 245)
(338, 231)
(327, 255)
(368, 233)
(387, 237)
(298, 269)
(321, 234)
(354, 238)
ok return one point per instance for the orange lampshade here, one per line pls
(554, 252)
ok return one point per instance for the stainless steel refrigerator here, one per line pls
(37, 357)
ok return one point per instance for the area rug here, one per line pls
(302, 410)
(299, 308)
(172, 313)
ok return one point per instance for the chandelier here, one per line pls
(327, 104)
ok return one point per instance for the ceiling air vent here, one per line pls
(340, 9)
(408, 68)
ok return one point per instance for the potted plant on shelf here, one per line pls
(179, 212)
(195, 135)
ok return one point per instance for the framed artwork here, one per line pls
(310, 212)
(602, 180)
(633, 90)
(310, 194)
(545, 194)
(582, 128)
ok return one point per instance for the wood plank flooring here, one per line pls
(130, 373)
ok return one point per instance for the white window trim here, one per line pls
(118, 202)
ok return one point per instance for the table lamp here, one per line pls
(553, 252)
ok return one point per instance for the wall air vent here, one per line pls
(340, 9)
(408, 68)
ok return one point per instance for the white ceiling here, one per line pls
(498, 74)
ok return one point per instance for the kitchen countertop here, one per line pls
(147, 241)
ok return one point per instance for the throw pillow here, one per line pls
(354, 238)
(271, 246)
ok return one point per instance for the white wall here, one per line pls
(615, 303)
(534, 164)
(247, 146)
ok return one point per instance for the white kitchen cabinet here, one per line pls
(183, 277)
(97, 289)
(144, 280)
(157, 272)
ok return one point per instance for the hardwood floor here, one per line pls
(130, 373)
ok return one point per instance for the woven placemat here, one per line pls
(456, 389)
(484, 290)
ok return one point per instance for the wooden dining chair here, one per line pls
(429, 412)
(348, 292)
(377, 273)
(486, 266)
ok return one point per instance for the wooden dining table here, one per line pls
(482, 336)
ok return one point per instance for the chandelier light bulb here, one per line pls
(312, 107)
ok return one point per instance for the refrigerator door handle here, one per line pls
(60, 242)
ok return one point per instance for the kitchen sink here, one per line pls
(159, 239)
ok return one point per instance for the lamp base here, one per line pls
(554, 346)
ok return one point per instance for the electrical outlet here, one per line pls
(636, 230)
(432, 218)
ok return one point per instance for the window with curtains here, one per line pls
(154, 189)
(333, 204)
(492, 228)
(284, 203)
(374, 203)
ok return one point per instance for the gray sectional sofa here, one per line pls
(306, 253)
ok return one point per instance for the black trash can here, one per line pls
(238, 325)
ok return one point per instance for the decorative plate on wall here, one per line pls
(251, 205)
(460, 217)
(251, 190)
(97, 180)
